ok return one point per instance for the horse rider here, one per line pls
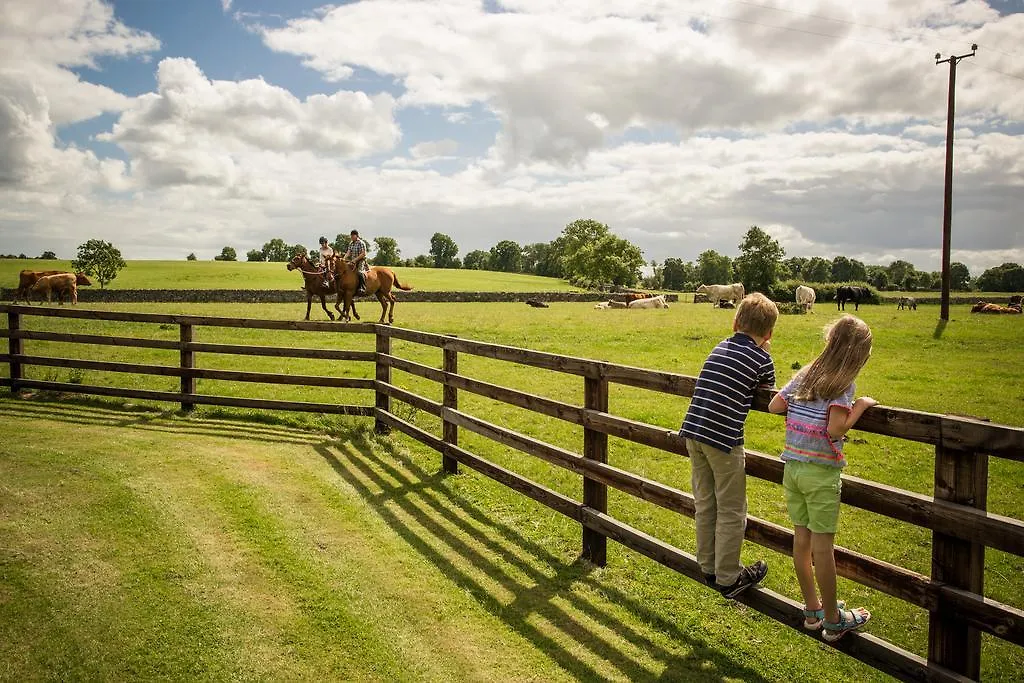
(327, 259)
(356, 257)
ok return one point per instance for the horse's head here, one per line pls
(297, 262)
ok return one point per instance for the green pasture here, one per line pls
(262, 275)
(237, 544)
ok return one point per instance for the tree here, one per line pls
(388, 253)
(795, 265)
(657, 277)
(817, 270)
(757, 266)
(476, 260)
(255, 255)
(713, 268)
(506, 256)
(610, 260)
(276, 251)
(443, 250)
(676, 274)
(533, 255)
(898, 272)
(548, 259)
(48, 256)
(297, 249)
(841, 269)
(858, 271)
(1008, 277)
(191, 257)
(423, 261)
(100, 259)
(226, 254)
(959, 277)
(877, 277)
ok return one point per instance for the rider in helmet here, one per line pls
(327, 257)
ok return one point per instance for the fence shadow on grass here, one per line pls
(477, 553)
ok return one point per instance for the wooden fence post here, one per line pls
(383, 374)
(960, 477)
(450, 399)
(188, 358)
(595, 447)
(15, 348)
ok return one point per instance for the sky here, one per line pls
(170, 127)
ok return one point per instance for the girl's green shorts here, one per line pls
(812, 495)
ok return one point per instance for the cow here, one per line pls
(536, 303)
(983, 307)
(1015, 300)
(649, 302)
(907, 302)
(716, 293)
(612, 303)
(62, 284)
(852, 293)
(27, 278)
(805, 296)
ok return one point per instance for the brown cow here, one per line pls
(27, 278)
(984, 307)
(1015, 300)
(62, 284)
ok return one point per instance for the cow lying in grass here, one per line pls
(984, 307)
(649, 302)
(61, 284)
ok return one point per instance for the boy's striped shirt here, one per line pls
(725, 391)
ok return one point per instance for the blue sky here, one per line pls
(177, 127)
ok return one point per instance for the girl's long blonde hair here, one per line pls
(847, 348)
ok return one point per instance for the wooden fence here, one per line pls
(956, 515)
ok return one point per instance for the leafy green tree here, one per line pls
(478, 259)
(226, 254)
(959, 277)
(548, 259)
(757, 266)
(899, 270)
(877, 277)
(276, 251)
(610, 260)
(255, 255)
(506, 257)
(298, 249)
(1009, 277)
(795, 265)
(858, 271)
(676, 274)
(443, 250)
(713, 268)
(48, 256)
(423, 261)
(388, 253)
(100, 259)
(656, 280)
(841, 269)
(817, 269)
(192, 257)
(533, 255)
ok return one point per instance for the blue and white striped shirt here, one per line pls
(725, 391)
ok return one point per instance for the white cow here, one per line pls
(716, 293)
(649, 302)
(805, 296)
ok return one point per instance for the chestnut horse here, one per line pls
(379, 281)
(313, 281)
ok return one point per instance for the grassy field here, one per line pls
(283, 535)
(244, 275)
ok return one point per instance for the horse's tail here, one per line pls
(404, 288)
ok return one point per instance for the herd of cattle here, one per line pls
(47, 283)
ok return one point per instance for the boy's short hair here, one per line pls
(756, 315)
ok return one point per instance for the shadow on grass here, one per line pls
(939, 329)
(547, 608)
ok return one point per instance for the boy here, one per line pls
(713, 429)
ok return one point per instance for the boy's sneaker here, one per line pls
(749, 576)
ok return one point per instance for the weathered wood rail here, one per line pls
(956, 515)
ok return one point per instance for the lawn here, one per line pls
(245, 275)
(497, 562)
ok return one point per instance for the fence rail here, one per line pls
(961, 527)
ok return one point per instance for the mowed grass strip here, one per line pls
(970, 366)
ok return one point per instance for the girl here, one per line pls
(821, 409)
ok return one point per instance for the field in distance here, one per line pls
(245, 275)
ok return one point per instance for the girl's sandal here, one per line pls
(833, 632)
(814, 618)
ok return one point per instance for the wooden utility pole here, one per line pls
(947, 209)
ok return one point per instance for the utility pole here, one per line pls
(947, 209)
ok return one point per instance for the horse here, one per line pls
(313, 281)
(378, 281)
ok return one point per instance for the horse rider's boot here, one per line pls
(361, 289)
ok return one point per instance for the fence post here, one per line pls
(595, 447)
(960, 477)
(383, 374)
(188, 358)
(450, 399)
(15, 348)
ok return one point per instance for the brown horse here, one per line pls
(379, 281)
(313, 281)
